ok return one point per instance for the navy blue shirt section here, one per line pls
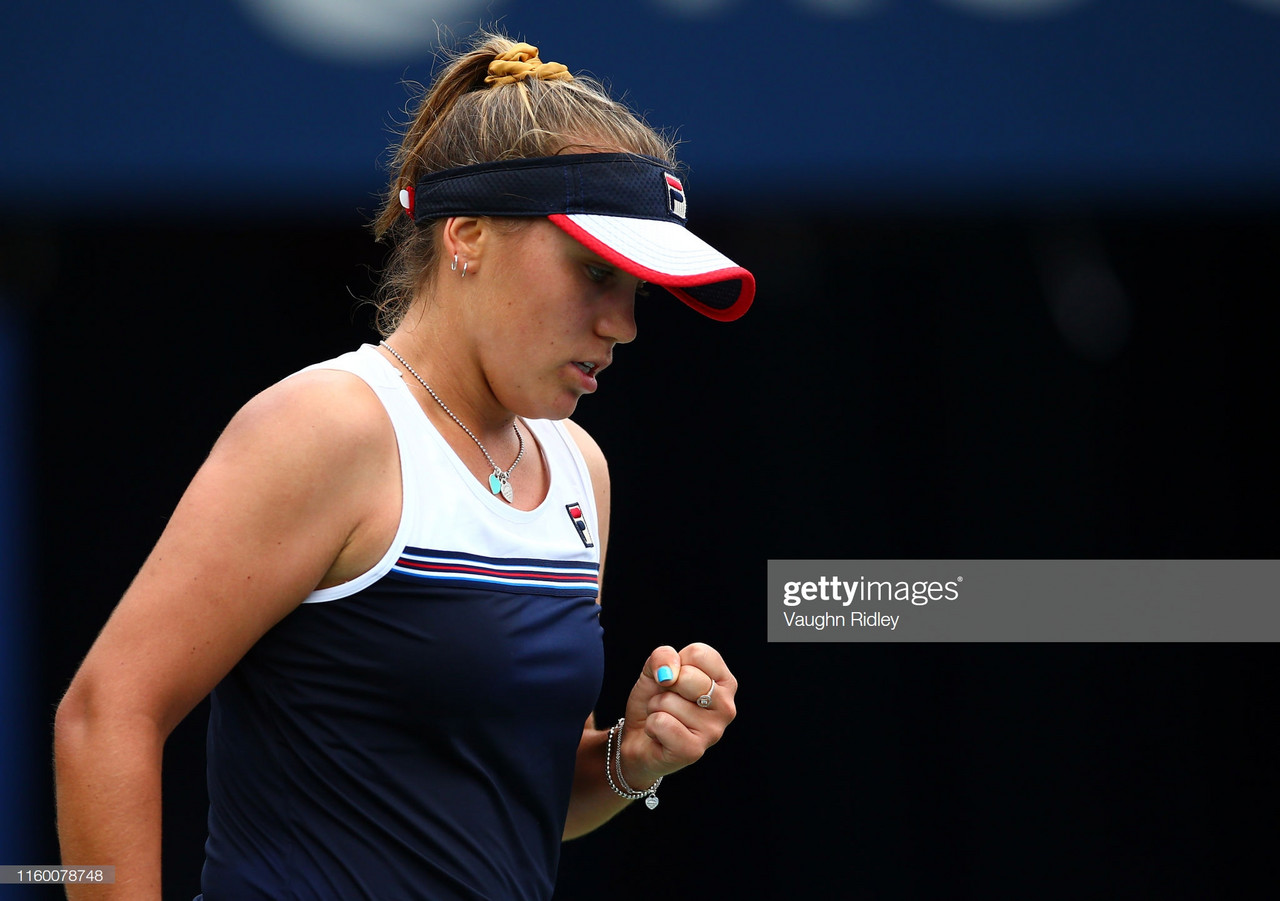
(415, 740)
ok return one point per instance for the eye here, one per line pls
(642, 289)
(598, 274)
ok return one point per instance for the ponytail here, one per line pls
(494, 101)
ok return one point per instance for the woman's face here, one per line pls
(547, 316)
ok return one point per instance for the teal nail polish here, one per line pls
(664, 674)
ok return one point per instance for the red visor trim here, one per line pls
(672, 283)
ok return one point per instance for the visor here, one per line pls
(628, 209)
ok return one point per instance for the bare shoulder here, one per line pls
(316, 457)
(318, 409)
(284, 495)
(591, 452)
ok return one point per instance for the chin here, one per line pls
(561, 409)
(564, 411)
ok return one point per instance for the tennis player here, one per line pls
(387, 572)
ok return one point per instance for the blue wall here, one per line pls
(207, 105)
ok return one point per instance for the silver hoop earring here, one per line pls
(464, 268)
(454, 267)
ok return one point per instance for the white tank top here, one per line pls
(445, 506)
(413, 732)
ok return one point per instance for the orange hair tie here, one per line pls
(521, 62)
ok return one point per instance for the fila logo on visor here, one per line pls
(580, 523)
(675, 194)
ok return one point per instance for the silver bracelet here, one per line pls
(613, 762)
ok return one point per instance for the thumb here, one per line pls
(659, 673)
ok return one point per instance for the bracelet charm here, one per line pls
(613, 766)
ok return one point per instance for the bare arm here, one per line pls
(291, 480)
(591, 802)
(665, 728)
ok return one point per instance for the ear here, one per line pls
(465, 237)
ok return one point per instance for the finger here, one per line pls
(660, 670)
(696, 712)
(708, 659)
(705, 724)
(691, 684)
(702, 704)
(663, 666)
(677, 745)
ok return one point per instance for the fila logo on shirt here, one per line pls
(675, 194)
(580, 523)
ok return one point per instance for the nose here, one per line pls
(617, 318)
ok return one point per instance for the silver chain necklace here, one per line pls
(499, 481)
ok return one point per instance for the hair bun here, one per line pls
(521, 62)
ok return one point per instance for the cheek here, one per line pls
(551, 327)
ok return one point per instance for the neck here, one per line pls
(453, 380)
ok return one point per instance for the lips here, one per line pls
(587, 368)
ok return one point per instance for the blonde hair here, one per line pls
(461, 121)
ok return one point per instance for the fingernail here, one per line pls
(664, 674)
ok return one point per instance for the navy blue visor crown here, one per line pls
(629, 209)
(606, 184)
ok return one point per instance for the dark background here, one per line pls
(1067, 358)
